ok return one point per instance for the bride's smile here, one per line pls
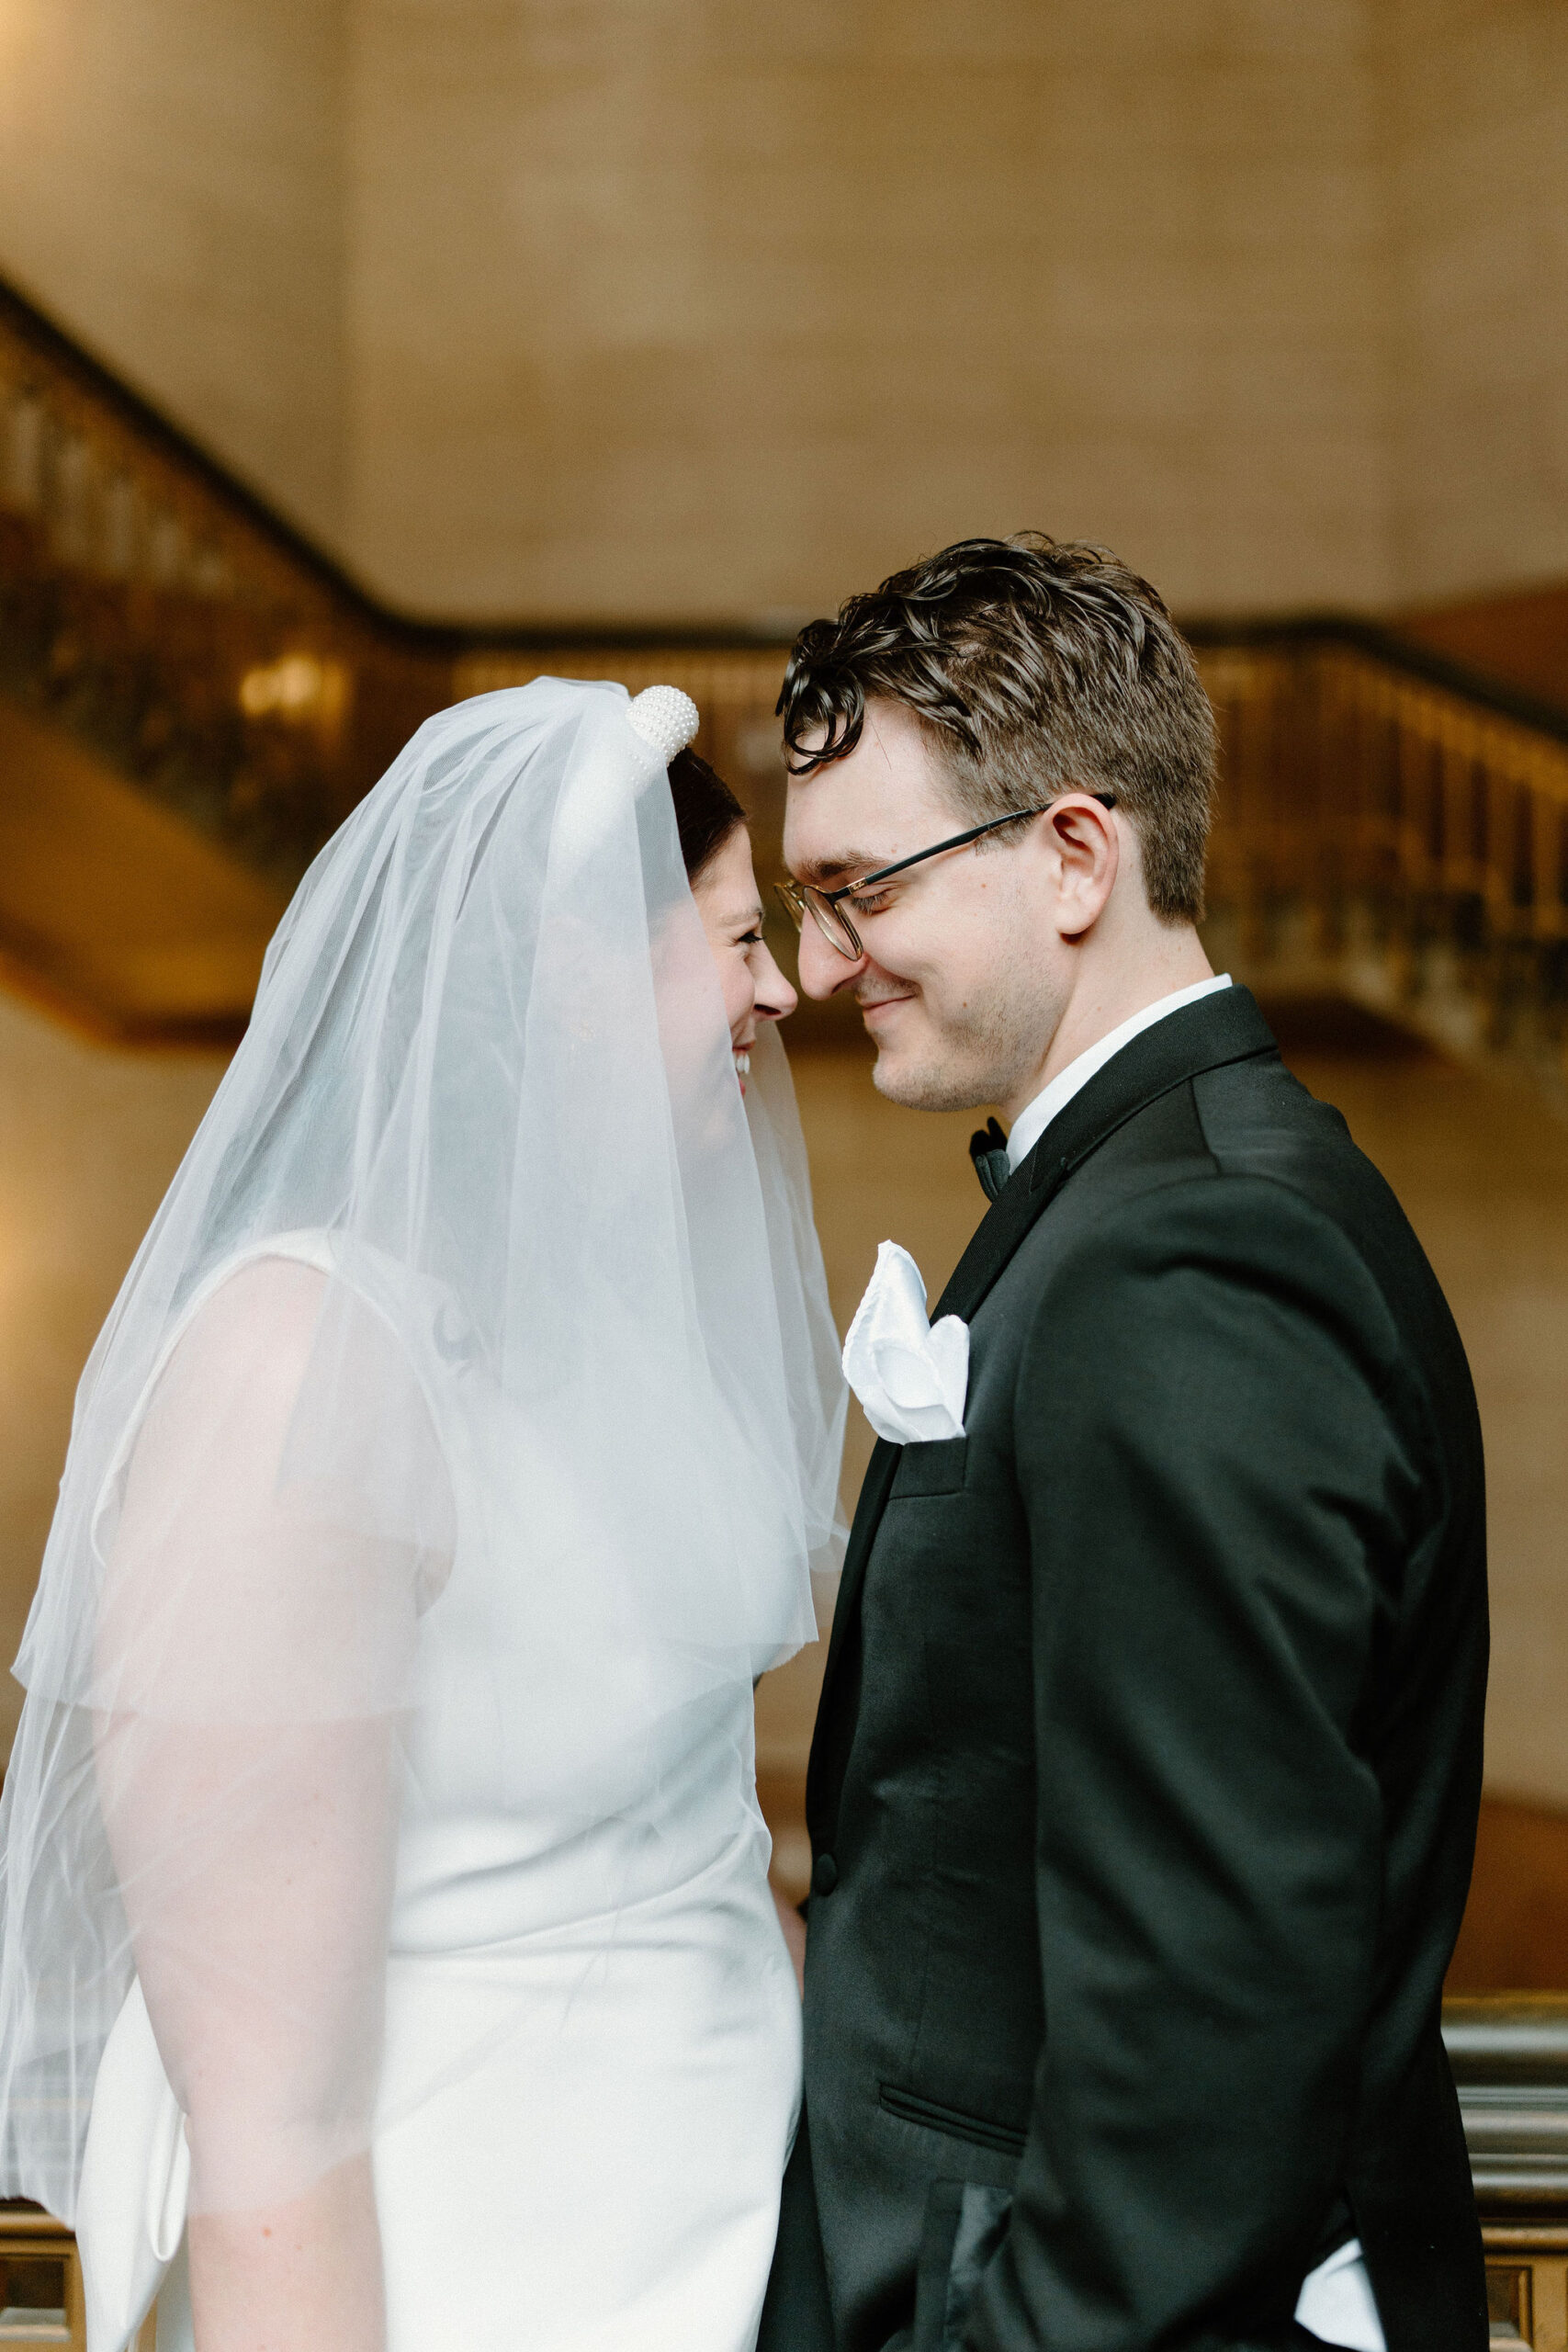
(731, 905)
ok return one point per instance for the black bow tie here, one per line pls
(988, 1150)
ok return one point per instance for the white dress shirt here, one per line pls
(1035, 1117)
(1336, 2303)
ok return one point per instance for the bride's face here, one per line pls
(731, 908)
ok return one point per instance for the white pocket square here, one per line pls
(910, 1375)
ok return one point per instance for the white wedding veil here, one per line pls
(480, 1297)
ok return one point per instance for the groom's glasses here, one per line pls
(829, 909)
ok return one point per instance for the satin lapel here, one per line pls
(1226, 1027)
(996, 1238)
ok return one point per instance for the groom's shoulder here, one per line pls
(1241, 1167)
(1257, 1119)
(1223, 1126)
(1260, 1122)
(1237, 1162)
(1246, 1121)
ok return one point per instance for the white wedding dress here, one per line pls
(606, 2174)
(585, 2109)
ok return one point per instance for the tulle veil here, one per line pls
(479, 1291)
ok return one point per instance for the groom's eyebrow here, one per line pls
(822, 870)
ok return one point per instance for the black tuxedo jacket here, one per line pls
(1144, 1789)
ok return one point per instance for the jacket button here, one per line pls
(824, 1874)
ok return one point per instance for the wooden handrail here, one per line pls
(1509, 2056)
(1386, 836)
(1392, 828)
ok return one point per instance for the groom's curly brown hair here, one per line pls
(1038, 666)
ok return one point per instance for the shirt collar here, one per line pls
(1036, 1116)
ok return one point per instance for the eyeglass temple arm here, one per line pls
(959, 841)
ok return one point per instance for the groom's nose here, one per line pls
(823, 971)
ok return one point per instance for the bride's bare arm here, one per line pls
(252, 1637)
(303, 2273)
(259, 1940)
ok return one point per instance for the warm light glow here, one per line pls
(298, 688)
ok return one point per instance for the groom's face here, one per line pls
(963, 978)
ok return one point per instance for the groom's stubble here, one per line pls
(973, 1053)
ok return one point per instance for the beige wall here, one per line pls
(169, 186)
(689, 308)
(89, 1138)
(1477, 143)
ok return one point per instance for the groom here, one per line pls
(1145, 1782)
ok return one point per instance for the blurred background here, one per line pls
(358, 354)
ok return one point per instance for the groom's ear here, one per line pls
(1080, 837)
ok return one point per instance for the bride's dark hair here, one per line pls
(706, 811)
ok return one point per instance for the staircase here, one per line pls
(192, 696)
(1394, 833)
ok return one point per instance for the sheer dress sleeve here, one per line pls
(282, 1514)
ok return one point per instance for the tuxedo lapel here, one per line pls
(1224, 1027)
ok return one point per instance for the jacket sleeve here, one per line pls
(1217, 1447)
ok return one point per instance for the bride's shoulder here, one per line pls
(259, 1309)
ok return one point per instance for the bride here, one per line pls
(387, 1957)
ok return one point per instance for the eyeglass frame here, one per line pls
(798, 898)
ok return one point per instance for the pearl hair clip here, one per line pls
(665, 718)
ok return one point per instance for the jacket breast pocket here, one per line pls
(933, 1469)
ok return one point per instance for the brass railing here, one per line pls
(1390, 830)
(172, 626)
(160, 612)
(1395, 834)
(1510, 2054)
